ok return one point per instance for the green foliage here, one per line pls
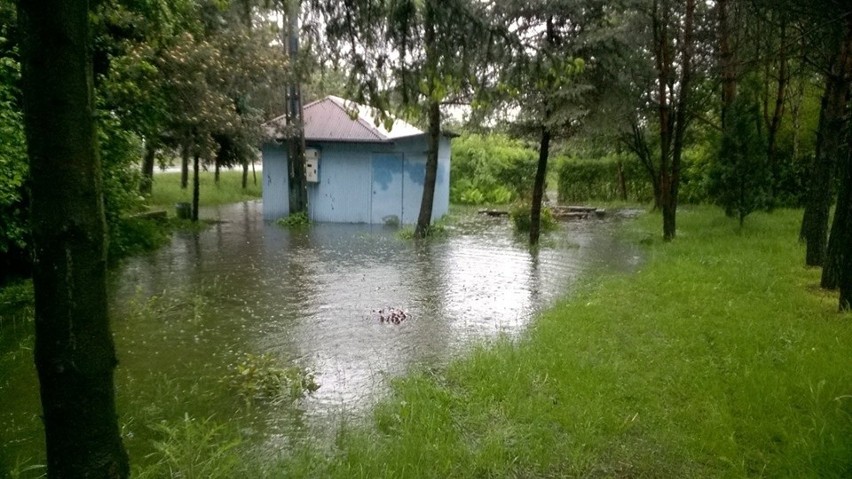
(14, 169)
(15, 296)
(596, 179)
(132, 235)
(259, 378)
(739, 178)
(194, 449)
(695, 173)
(490, 169)
(520, 216)
(295, 220)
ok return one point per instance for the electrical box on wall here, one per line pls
(312, 156)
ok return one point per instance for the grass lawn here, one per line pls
(166, 190)
(720, 358)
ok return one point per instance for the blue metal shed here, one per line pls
(358, 172)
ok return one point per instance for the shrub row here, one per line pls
(598, 179)
(488, 169)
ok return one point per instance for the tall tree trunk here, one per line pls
(844, 239)
(245, 173)
(841, 228)
(297, 180)
(727, 64)
(424, 219)
(663, 60)
(538, 187)
(147, 181)
(543, 152)
(773, 120)
(681, 121)
(795, 99)
(184, 165)
(622, 182)
(841, 233)
(828, 148)
(216, 168)
(74, 350)
(196, 190)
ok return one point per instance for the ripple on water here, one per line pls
(308, 297)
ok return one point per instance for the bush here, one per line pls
(257, 377)
(520, 216)
(597, 179)
(130, 235)
(486, 169)
(740, 177)
(294, 220)
(14, 170)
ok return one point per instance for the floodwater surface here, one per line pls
(185, 315)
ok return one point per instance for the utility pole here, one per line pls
(298, 190)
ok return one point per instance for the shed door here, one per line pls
(386, 202)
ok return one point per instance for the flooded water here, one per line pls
(186, 313)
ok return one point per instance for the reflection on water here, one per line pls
(308, 297)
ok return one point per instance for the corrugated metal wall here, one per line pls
(276, 200)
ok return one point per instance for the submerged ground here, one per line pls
(205, 326)
(719, 357)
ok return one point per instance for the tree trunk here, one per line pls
(245, 173)
(795, 98)
(297, 180)
(196, 190)
(538, 187)
(845, 243)
(841, 234)
(672, 124)
(639, 145)
(828, 148)
(184, 165)
(74, 350)
(726, 60)
(841, 228)
(843, 237)
(681, 121)
(846, 275)
(622, 182)
(147, 181)
(543, 151)
(773, 125)
(216, 168)
(424, 219)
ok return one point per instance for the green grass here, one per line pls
(166, 190)
(720, 358)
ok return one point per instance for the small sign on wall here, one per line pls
(312, 157)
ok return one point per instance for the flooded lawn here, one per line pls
(312, 298)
